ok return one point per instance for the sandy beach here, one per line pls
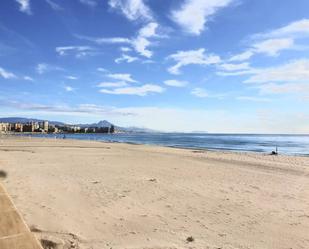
(93, 195)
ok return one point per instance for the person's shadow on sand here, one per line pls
(3, 174)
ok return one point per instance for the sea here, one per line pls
(285, 144)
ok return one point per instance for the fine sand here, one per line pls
(93, 195)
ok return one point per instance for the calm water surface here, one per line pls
(287, 144)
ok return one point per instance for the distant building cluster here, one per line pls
(45, 127)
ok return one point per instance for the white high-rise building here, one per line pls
(45, 126)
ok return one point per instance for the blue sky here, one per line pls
(178, 65)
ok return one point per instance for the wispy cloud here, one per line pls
(234, 67)
(297, 90)
(81, 109)
(125, 49)
(294, 71)
(108, 40)
(102, 70)
(108, 84)
(71, 77)
(42, 68)
(191, 57)
(126, 58)
(6, 74)
(140, 43)
(77, 51)
(203, 93)
(69, 89)
(289, 78)
(176, 83)
(253, 99)
(123, 77)
(273, 46)
(139, 90)
(193, 15)
(242, 56)
(294, 29)
(28, 78)
(273, 42)
(24, 6)
(54, 5)
(90, 3)
(132, 9)
(270, 47)
(200, 92)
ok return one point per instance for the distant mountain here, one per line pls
(26, 120)
(102, 123)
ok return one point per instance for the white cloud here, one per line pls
(139, 43)
(193, 15)
(71, 77)
(297, 28)
(148, 30)
(123, 77)
(200, 92)
(24, 6)
(91, 3)
(142, 42)
(272, 47)
(54, 5)
(111, 40)
(176, 83)
(132, 9)
(125, 49)
(287, 88)
(78, 51)
(234, 67)
(101, 69)
(192, 57)
(237, 73)
(42, 68)
(28, 78)
(294, 71)
(242, 56)
(253, 99)
(273, 42)
(6, 74)
(126, 58)
(69, 88)
(112, 84)
(140, 90)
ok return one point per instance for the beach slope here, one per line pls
(86, 194)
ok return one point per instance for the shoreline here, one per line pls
(260, 152)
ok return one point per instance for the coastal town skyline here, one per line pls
(224, 66)
(12, 125)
